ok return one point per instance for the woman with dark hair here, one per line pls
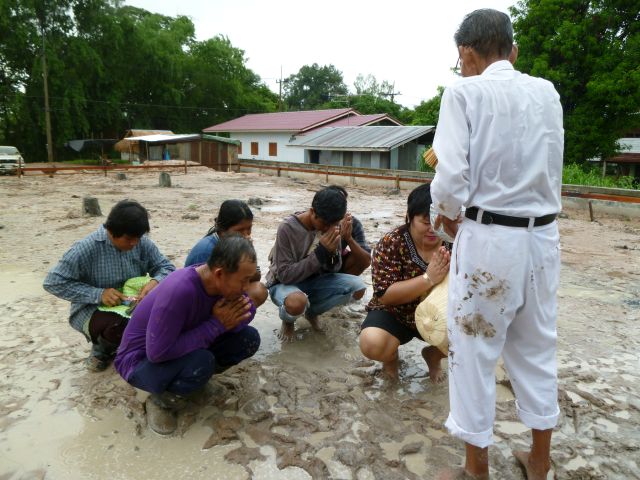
(406, 264)
(236, 217)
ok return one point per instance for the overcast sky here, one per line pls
(402, 41)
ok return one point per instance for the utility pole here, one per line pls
(279, 82)
(391, 94)
(47, 115)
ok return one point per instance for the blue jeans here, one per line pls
(323, 293)
(192, 371)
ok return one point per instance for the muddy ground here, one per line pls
(312, 409)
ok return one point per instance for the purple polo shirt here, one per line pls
(171, 321)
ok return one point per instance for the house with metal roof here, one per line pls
(628, 160)
(265, 136)
(391, 147)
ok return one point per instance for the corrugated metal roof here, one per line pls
(360, 138)
(362, 120)
(221, 139)
(280, 121)
(162, 138)
(632, 143)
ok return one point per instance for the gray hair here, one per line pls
(230, 251)
(489, 32)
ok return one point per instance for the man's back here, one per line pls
(512, 127)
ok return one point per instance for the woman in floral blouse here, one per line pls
(407, 263)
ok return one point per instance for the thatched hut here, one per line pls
(130, 150)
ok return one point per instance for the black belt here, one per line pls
(505, 220)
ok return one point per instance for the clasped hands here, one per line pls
(439, 265)
(230, 313)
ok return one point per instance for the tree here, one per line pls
(428, 111)
(590, 51)
(113, 67)
(313, 86)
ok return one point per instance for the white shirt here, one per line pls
(499, 144)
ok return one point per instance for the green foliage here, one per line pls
(112, 68)
(585, 174)
(427, 112)
(313, 86)
(590, 51)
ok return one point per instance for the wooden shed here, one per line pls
(219, 153)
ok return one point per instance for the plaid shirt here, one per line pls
(93, 264)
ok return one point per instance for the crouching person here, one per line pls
(304, 277)
(92, 273)
(193, 325)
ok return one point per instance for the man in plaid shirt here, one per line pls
(92, 272)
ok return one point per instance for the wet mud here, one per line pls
(314, 408)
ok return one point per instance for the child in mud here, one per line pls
(93, 271)
(304, 277)
(234, 216)
(407, 263)
(194, 324)
(499, 146)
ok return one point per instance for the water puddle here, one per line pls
(276, 208)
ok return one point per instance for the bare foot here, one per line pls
(314, 322)
(432, 355)
(533, 472)
(458, 473)
(286, 332)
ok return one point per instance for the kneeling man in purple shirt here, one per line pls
(193, 325)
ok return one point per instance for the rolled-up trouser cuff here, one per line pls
(480, 440)
(287, 317)
(538, 422)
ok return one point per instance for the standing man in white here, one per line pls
(499, 144)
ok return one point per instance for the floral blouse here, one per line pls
(395, 258)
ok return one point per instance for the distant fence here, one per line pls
(405, 178)
(76, 169)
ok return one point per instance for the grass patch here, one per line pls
(591, 175)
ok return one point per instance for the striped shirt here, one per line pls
(94, 264)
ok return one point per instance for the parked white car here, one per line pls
(10, 158)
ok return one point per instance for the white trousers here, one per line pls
(502, 301)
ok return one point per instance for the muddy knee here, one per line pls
(295, 303)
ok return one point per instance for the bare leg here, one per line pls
(476, 466)
(286, 332)
(294, 304)
(390, 368)
(432, 355)
(378, 344)
(314, 322)
(537, 462)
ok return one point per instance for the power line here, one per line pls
(132, 104)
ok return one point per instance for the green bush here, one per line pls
(591, 175)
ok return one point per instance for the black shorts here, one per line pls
(387, 322)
